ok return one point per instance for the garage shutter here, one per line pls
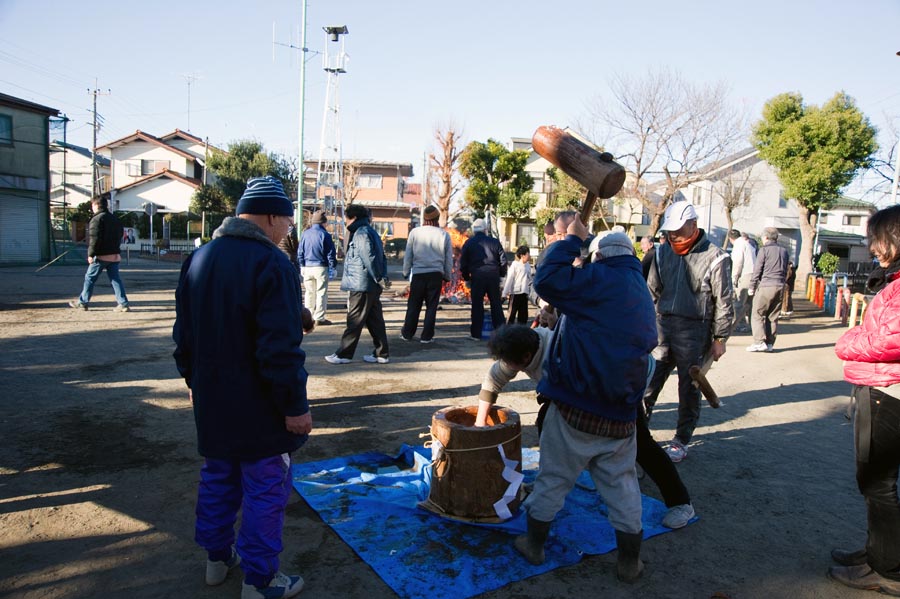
(19, 222)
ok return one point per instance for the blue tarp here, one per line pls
(371, 499)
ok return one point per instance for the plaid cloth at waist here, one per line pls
(593, 424)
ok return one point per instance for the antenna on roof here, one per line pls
(189, 78)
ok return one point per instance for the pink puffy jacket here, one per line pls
(872, 350)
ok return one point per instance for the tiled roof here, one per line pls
(140, 135)
(188, 136)
(101, 160)
(14, 102)
(195, 183)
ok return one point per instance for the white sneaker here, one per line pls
(678, 516)
(217, 572)
(757, 347)
(334, 359)
(676, 450)
(426, 340)
(280, 587)
(371, 359)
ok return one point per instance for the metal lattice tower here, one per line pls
(330, 168)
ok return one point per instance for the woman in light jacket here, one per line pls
(871, 353)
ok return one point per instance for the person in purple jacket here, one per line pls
(237, 344)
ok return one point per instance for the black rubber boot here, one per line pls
(629, 566)
(849, 558)
(531, 544)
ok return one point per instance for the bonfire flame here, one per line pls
(455, 291)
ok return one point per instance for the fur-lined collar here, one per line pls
(241, 227)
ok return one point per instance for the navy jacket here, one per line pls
(316, 248)
(237, 344)
(598, 359)
(482, 255)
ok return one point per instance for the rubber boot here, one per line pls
(531, 544)
(849, 558)
(629, 566)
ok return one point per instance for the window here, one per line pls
(369, 182)
(6, 137)
(148, 167)
(383, 228)
(823, 218)
(538, 186)
(133, 169)
(782, 201)
(697, 196)
(854, 220)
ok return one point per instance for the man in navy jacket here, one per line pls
(237, 334)
(482, 262)
(594, 375)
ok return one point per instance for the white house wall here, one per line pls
(140, 150)
(191, 147)
(169, 195)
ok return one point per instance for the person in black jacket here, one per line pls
(483, 263)
(104, 238)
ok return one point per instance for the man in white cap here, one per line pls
(482, 262)
(429, 260)
(690, 281)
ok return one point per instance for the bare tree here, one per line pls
(665, 129)
(735, 190)
(351, 181)
(881, 173)
(444, 164)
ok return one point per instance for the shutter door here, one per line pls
(19, 230)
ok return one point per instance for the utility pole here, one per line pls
(190, 78)
(301, 176)
(298, 209)
(94, 172)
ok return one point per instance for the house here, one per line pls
(381, 186)
(841, 229)
(24, 180)
(165, 171)
(71, 176)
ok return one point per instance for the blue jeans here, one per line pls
(93, 273)
(263, 487)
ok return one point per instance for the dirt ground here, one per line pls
(98, 462)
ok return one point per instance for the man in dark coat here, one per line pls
(104, 238)
(237, 335)
(483, 263)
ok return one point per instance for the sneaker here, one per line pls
(676, 450)
(426, 340)
(335, 359)
(770, 347)
(280, 587)
(405, 338)
(77, 305)
(757, 347)
(216, 572)
(474, 338)
(678, 516)
(122, 308)
(372, 359)
(323, 323)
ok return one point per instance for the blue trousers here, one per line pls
(263, 486)
(93, 273)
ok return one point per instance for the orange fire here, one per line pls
(455, 291)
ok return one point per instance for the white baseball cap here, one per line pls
(677, 214)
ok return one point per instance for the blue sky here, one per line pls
(495, 68)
